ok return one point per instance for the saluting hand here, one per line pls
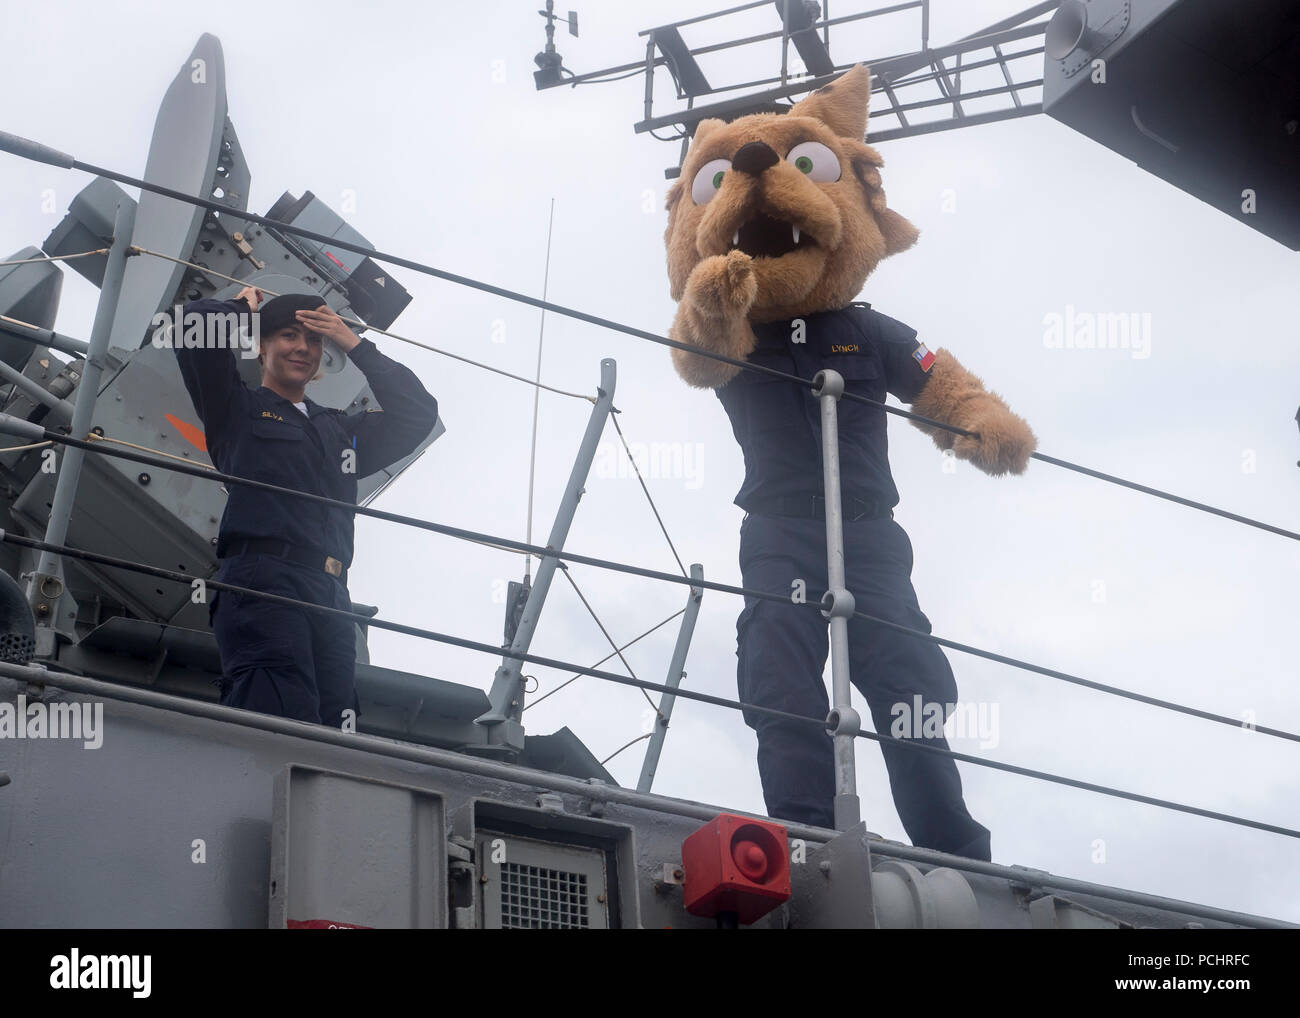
(326, 321)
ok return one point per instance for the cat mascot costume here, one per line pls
(773, 227)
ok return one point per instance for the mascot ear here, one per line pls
(841, 105)
(897, 232)
(706, 127)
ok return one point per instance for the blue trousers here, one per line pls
(282, 660)
(781, 652)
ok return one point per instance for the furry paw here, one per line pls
(723, 286)
(702, 372)
(1005, 441)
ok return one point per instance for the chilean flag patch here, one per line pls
(923, 356)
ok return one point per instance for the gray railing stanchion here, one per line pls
(506, 699)
(675, 674)
(46, 592)
(838, 605)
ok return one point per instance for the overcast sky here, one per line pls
(428, 115)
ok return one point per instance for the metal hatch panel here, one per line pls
(353, 850)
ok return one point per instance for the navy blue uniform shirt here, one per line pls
(778, 423)
(258, 434)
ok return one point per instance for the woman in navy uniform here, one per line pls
(275, 658)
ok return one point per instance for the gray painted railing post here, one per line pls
(48, 585)
(838, 606)
(506, 699)
(675, 674)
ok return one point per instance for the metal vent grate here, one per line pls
(528, 884)
(17, 648)
(537, 898)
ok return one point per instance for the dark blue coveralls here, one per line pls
(275, 658)
(782, 649)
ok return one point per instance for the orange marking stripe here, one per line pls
(188, 432)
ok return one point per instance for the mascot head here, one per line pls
(800, 192)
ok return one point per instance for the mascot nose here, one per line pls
(754, 158)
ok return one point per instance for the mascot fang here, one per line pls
(773, 227)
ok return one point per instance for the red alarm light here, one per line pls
(736, 864)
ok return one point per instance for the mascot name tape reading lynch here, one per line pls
(773, 227)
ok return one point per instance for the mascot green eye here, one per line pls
(708, 180)
(816, 161)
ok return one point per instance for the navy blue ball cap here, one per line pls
(281, 312)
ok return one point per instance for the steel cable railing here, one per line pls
(41, 153)
(719, 701)
(27, 429)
